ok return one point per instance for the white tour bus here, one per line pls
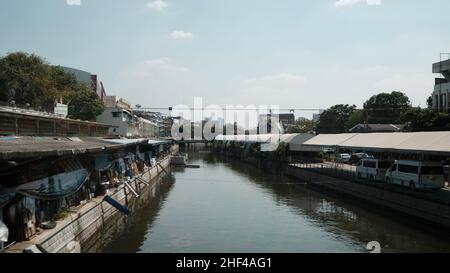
(416, 174)
(372, 169)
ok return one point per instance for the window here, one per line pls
(384, 164)
(432, 170)
(408, 169)
(370, 164)
(117, 114)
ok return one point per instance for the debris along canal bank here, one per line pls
(59, 193)
(315, 159)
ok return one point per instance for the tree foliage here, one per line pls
(355, 118)
(418, 119)
(335, 119)
(302, 125)
(29, 79)
(386, 108)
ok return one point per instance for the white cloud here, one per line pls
(279, 80)
(272, 89)
(179, 34)
(154, 68)
(73, 2)
(163, 64)
(158, 4)
(344, 3)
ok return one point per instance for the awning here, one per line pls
(126, 141)
(157, 142)
(55, 187)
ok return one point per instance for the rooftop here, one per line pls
(378, 127)
(441, 66)
(26, 147)
(436, 143)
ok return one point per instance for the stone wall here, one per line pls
(426, 210)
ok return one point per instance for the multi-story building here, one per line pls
(161, 121)
(316, 117)
(90, 80)
(118, 112)
(284, 121)
(441, 94)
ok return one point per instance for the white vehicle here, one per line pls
(343, 158)
(416, 174)
(372, 169)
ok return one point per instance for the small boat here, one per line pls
(179, 160)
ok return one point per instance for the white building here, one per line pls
(118, 112)
(89, 79)
(441, 94)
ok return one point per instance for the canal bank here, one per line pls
(227, 206)
(94, 221)
(427, 211)
(430, 208)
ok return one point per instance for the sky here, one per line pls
(291, 53)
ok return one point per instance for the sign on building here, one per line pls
(61, 110)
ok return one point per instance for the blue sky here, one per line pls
(292, 53)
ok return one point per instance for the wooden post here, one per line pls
(16, 126)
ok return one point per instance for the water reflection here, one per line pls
(228, 206)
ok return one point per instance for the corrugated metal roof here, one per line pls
(429, 142)
(329, 139)
(376, 140)
(156, 142)
(247, 138)
(125, 141)
(295, 141)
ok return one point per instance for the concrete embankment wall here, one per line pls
(95, 217)
(429, 211)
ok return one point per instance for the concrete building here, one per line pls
(316, 117)
(441, 93)
(118, 112)
(284, 121)
(89, 79)
(161, 121)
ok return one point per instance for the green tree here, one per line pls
(302, 125)
(335, 119)
(29, 79)
(418, 119)
(355, 118)
(24, 78)
(83, 104)
(386, 108)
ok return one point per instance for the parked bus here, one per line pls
(416, 174)
(372, 169)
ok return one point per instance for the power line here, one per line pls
(143, 109)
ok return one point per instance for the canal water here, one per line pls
(228, 206)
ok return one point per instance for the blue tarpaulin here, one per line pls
(55, 187)
(102, 162)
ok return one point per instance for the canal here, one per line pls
(228, 206)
